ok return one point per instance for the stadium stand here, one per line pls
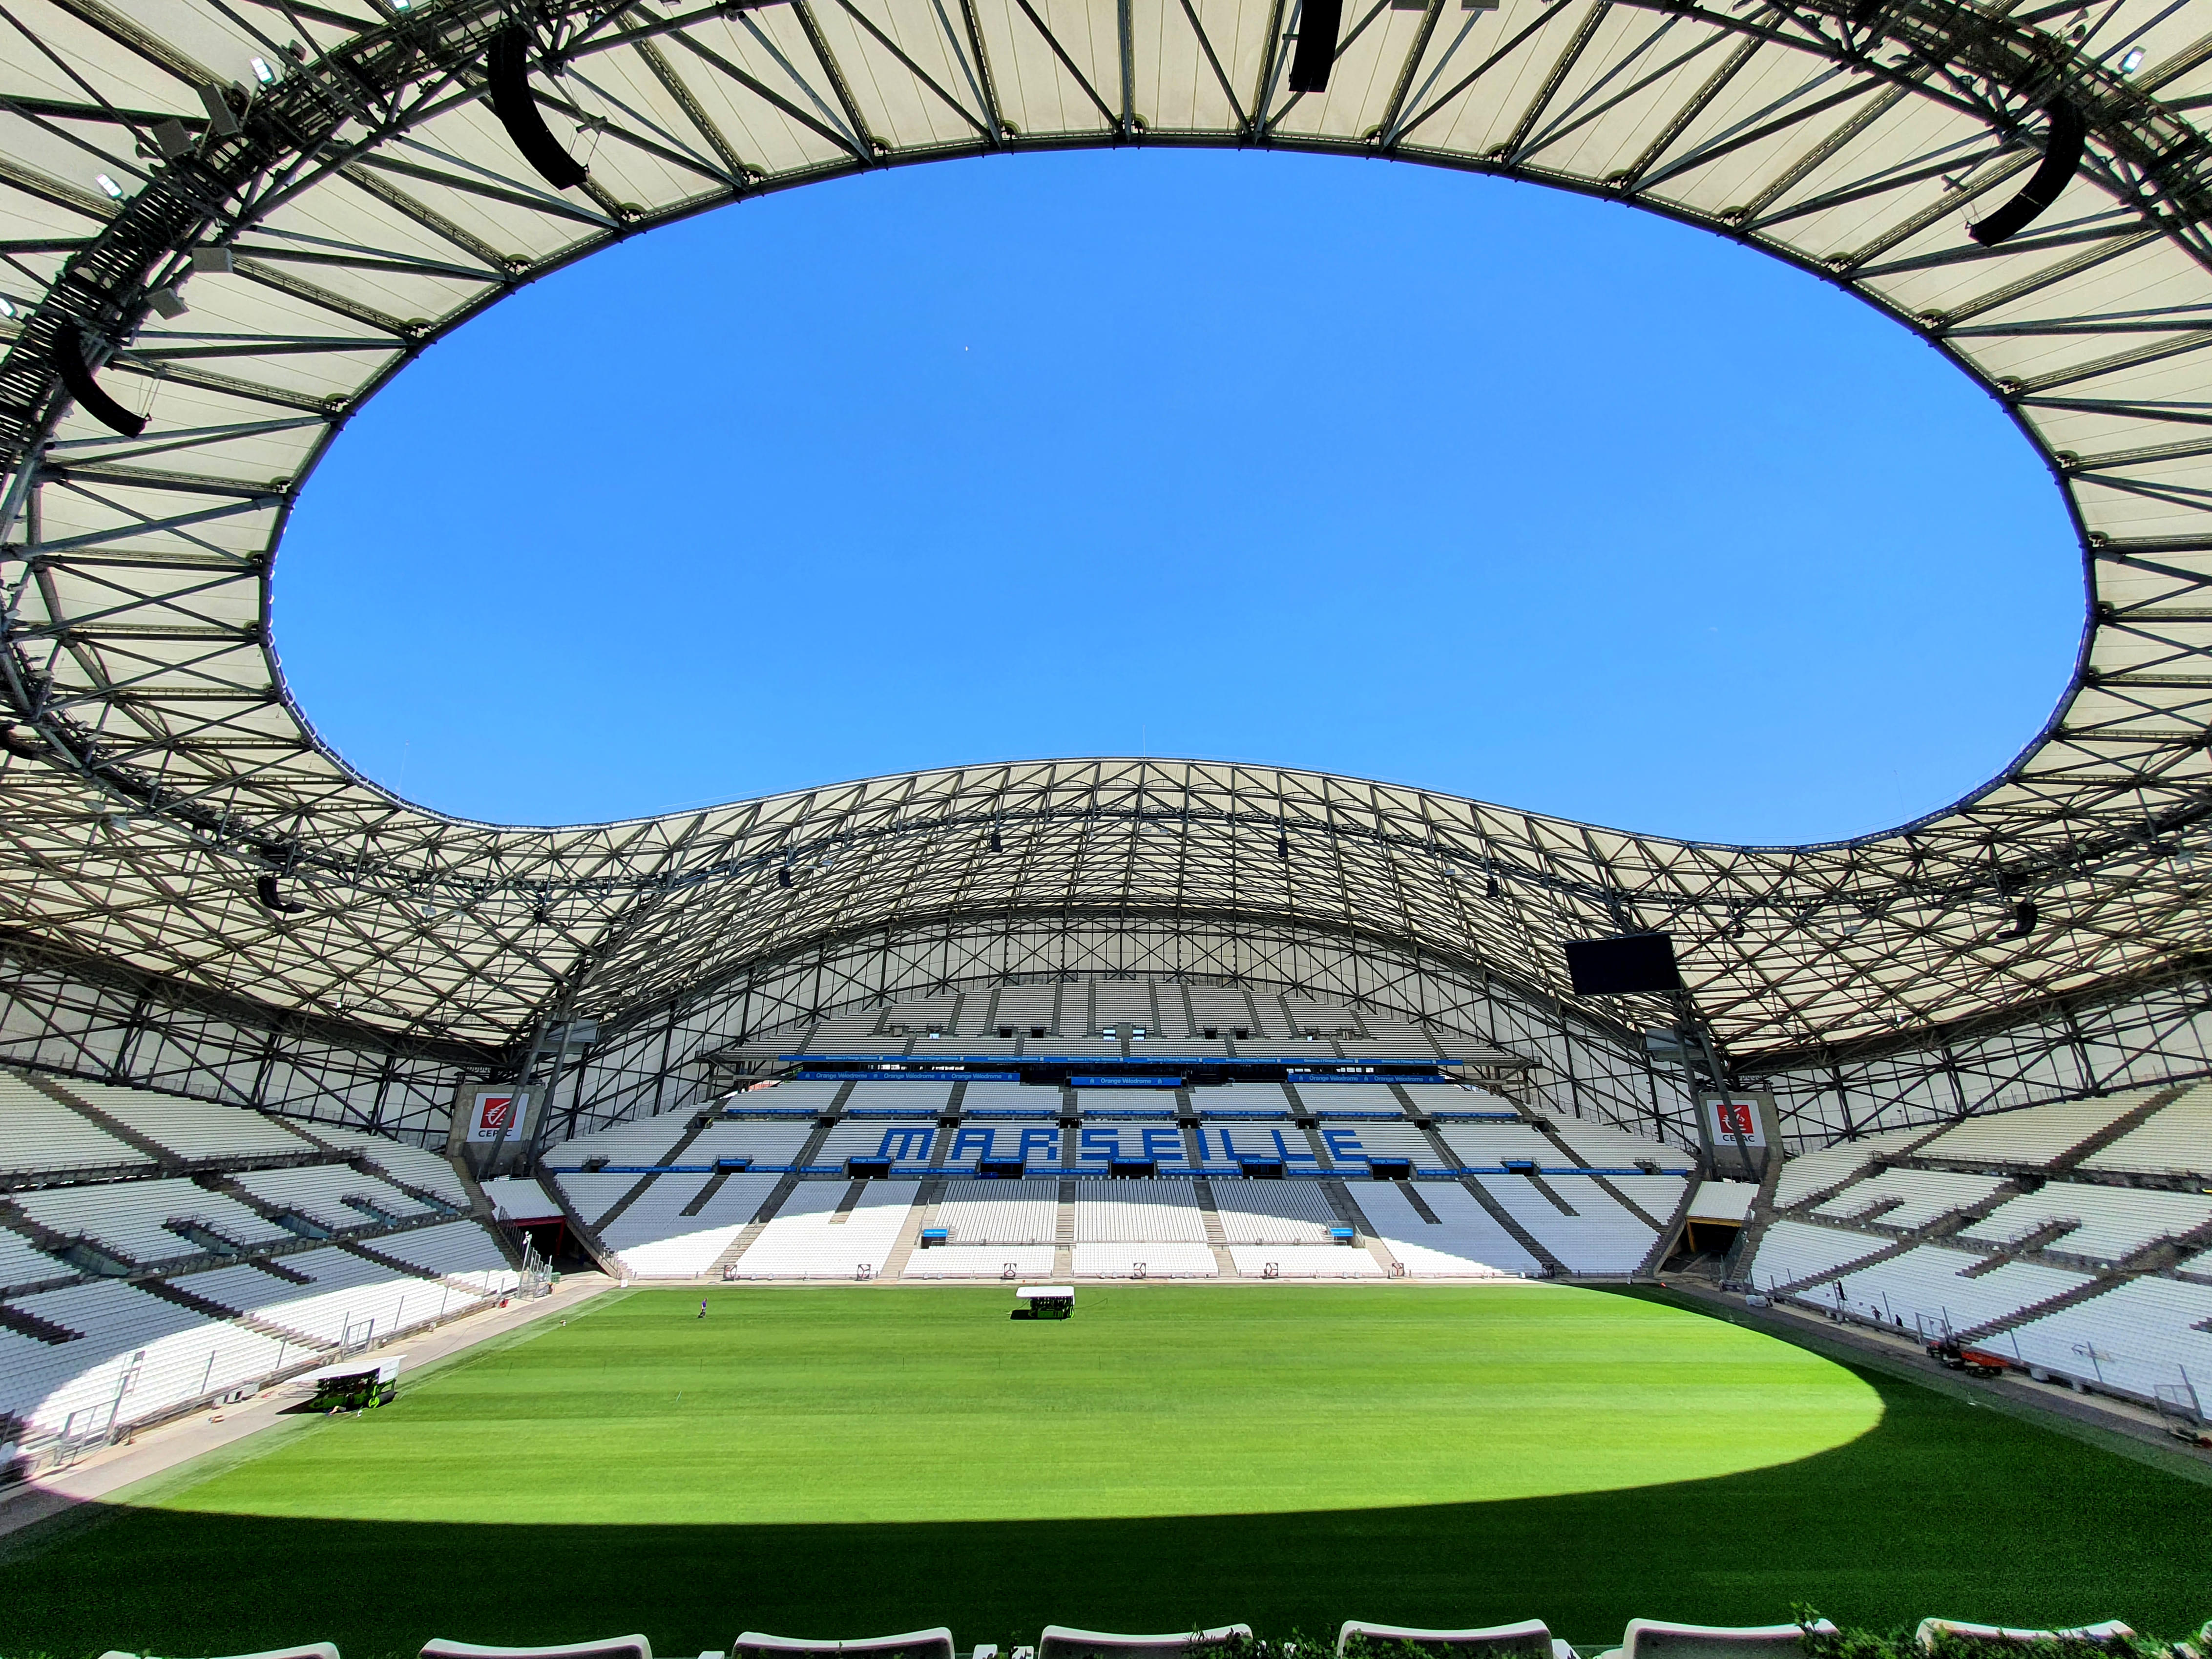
(2177, 1140)
(1591, 1233)
(830, 1229)
(129, 1290)
(1301, 1262)
(1908, 1200)
(999, 1212)
(1272, 1212)
(2067, 1254)
(981, 1262)
(1456, 1237)
(682, 1226)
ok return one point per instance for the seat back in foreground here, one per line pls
(1065, 1642)
(615, 1647)
(1655, 1638)
(913, 1644)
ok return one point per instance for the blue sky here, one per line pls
(1326, 463)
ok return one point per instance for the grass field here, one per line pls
(852, 1461)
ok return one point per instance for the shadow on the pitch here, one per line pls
(1941, 1509)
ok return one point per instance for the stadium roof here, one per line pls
(328, 186)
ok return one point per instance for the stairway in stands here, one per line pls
(1224, 1263)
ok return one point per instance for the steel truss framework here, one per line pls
(364, 200)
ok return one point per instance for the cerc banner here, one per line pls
(495, 1113)
(1729, 1120)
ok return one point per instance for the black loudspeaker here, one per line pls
(2061, 155)
(1319, 21)
(507, 76)
(1638, 964)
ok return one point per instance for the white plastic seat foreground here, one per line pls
(1065, 1642)
(913, 1644)
(615, 1647)
(1532, 1637)
(306, 1650)
(1655, 1638)
(2110, 1630)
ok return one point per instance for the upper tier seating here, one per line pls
(1353, 1146)
(319, 1192)
(1908, 1200)
(1604, 1147)
(1487, 1145)
(422, 1171)
(39, 1135)
(130, 1218)
(908, 1143)
(2176, 1140)
(193, 1130)
(2114, 1222)
(641, 1143)
(910, 1098)
(1817, 1172)
(771, 1143)
(2035, 1135)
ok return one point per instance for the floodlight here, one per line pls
(114, 191)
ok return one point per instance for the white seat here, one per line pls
(1531, 1636)
(1065, 1642)
(935, 1644)
(615, 1647)
(307, 1650)
(1655, 1638)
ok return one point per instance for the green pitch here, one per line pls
(847, 1463)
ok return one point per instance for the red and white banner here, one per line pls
(496, 1113)
(1731, 1120)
